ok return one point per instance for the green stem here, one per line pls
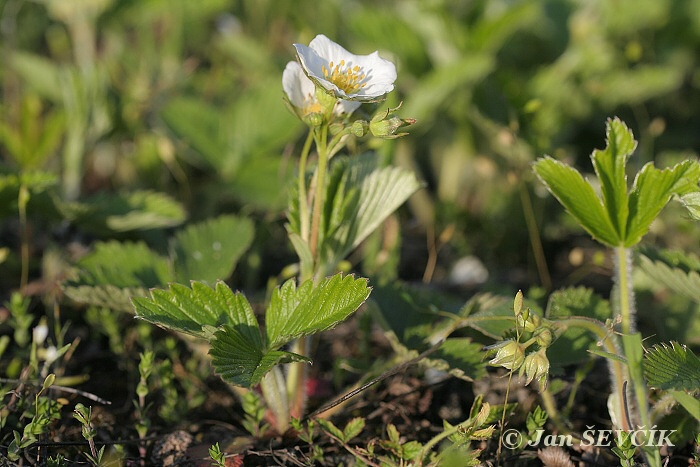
(273, 389)
(303, 195)
(296, 376)
(551, 408)
(321, 139)
(427, 447)
(624, 290)
(626, 303)
(616, 366)
(334, 145)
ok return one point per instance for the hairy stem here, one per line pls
(623, 288)
(321, 137)
(296, 377)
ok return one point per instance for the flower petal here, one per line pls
(297, 85)
(301, 92)
(354, 77)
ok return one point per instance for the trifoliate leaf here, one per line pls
(189, 310)
(239, 358)
(619, 218)
(296, 312)
(672, 366)
(208, 251)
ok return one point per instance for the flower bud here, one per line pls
(543, 337)
(536, 366)
(386, 124)
(359, 128)
(528, 320)
(510, 355)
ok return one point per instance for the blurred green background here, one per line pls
(181, 102)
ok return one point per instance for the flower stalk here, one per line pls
(323, 88)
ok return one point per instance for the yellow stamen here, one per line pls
(347, 79)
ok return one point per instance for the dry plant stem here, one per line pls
(54, 387)
(618, 369)
(397, 369)
(534, 234)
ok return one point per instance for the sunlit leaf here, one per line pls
(191, 310)
(296, 312)
(609, 165)
(652, 190)
(620, 218)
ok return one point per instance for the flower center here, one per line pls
(311, 105)
(348, 79)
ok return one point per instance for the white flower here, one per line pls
(364, 78)
(301, 93)
(40, 333)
